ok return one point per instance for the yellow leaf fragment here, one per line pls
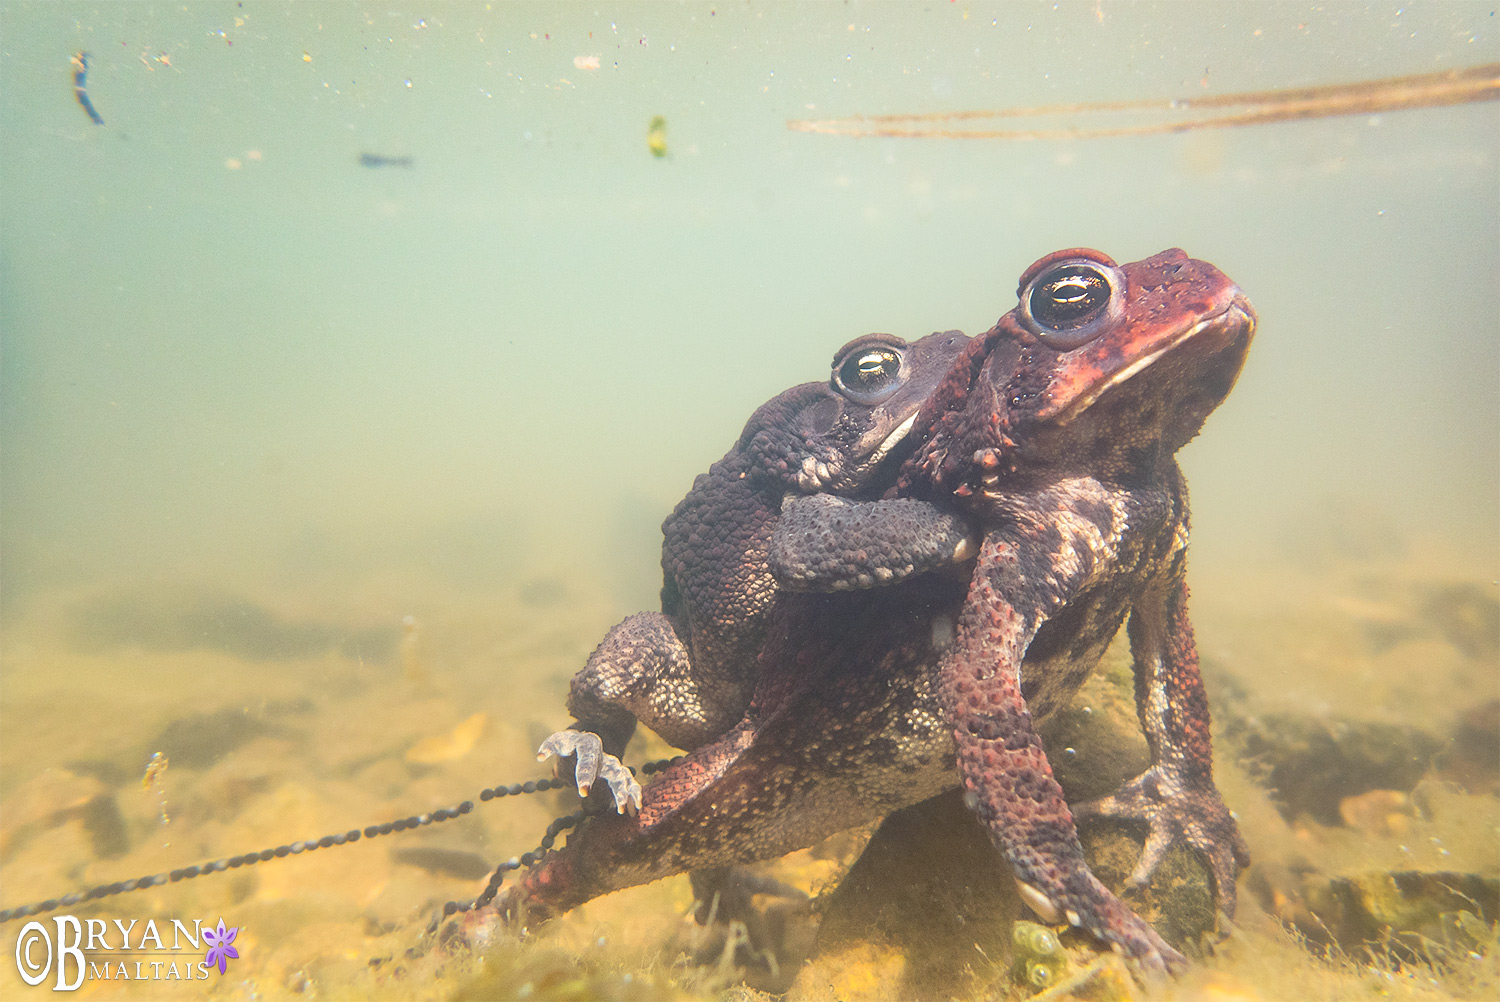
(453, 745)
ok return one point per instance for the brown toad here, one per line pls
(1058, 431)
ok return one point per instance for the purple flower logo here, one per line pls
(220, 945)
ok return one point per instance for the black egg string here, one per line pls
(343, 838)
(535, 856)
(527, 859)
(660, 765)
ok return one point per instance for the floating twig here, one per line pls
(1428, 90)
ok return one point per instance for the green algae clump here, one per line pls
(1038, 960)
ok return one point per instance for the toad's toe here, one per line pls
(593, 763)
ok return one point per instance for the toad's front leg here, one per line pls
(642, 671)
(1176, 796)
(1004, 769)
(824, 543)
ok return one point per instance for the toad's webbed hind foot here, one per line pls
(593, 763)
(725, 893)
(772, 936)
(1178, 813)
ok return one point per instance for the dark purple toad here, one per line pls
(688, 671)
(1055, 432)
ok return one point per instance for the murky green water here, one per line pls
(260, 402)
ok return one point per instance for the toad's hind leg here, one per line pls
(1007, 779)
(644, 671)
(1176, 796)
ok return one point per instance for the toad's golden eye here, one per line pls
(1072, 298)
(1073, 302)
(873, 369)
(867, 374)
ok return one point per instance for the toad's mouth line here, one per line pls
(892, 440)
(1237, 313)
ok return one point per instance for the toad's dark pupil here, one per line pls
(871, 370)
(1069, 298)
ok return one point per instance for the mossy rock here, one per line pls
(1313, 764)
(930, 886)
(1467, 615)
(1409, 915)
(1095, 743)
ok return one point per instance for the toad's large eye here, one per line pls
(868, 372)
(1073, 301)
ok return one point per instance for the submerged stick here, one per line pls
(1428, 90)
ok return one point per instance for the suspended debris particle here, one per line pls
(381, 160)
(656, 137)
(80, 76)
(152, 783)
(453, 863)
(412, 664)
